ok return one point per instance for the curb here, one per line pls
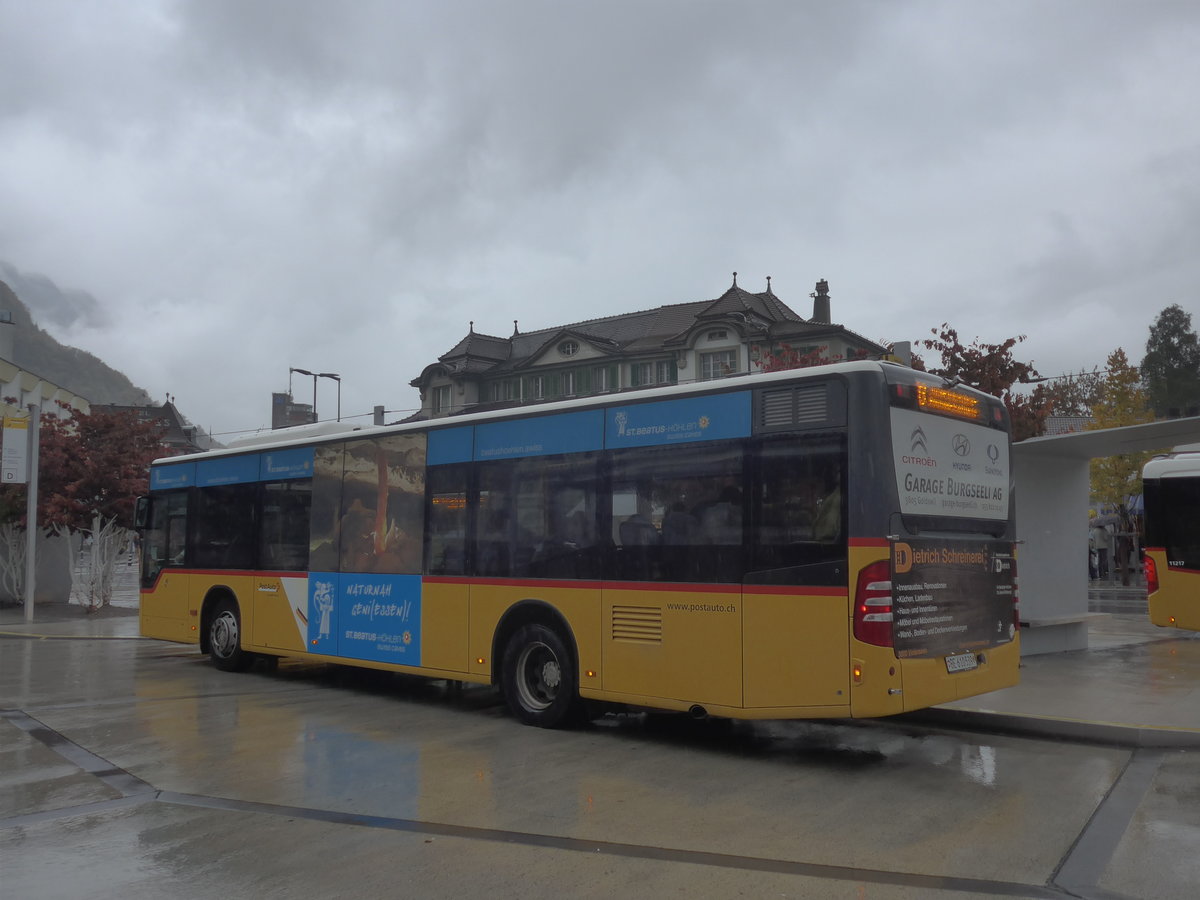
(1116, 734)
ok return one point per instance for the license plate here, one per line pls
(961, 662)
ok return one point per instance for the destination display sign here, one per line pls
(947, 467)
(950, 596)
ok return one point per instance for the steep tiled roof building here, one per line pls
(698, 341)
(179, 436)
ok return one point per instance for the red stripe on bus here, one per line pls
(808, 590)
(869, 542)
(510, 582)
(674, 586)
(232, 573)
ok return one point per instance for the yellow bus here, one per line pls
(1171, 490)
(826, 542)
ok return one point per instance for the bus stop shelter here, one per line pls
(1052, 491)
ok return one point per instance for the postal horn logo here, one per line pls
(918, 441)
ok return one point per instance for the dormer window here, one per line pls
(718, 335)
(568, 348)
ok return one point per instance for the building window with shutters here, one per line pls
(658, 371)
(441, 399)
(717, 364)
(603, 380)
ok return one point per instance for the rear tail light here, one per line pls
(873, 605)
(1151, 575)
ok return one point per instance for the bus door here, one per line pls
(164, 598)
(795, 606)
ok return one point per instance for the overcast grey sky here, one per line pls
(248, 186)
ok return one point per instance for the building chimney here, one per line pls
(821, 303)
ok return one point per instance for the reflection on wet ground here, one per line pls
(241, 767)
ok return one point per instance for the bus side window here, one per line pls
(226, 531)
(556, 517)
(446, 520)
(677, 514)
(799, 509)
(494, 520)
(283, 537)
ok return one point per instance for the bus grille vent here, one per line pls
(794, 406)
(639, 624)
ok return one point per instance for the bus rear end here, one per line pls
(1171, 488)
(933, 573)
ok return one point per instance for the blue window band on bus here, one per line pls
(685, 420)
(176, 475)
(450, 445)
(278, 465)
(575, 432)
(227, 470)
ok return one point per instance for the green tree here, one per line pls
(993, 369)
(1171, 367)
(1072, 395)
(1122, 401)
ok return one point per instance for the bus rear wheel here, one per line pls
(225, 638)
(539, 678)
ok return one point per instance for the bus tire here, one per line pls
(539, 677)
(225, 638)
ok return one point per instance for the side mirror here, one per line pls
(141, 514)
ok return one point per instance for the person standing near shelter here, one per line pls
(1100, 539)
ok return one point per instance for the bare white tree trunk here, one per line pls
(93, 565)
(12, 561)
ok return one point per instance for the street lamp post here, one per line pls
(315, 376)
(338, 379)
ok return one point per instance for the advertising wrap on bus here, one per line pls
(952, 595)
(946, 467)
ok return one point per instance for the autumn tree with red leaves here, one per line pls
(94, 465)
(785, 356)
(91, 469)
(992, 369)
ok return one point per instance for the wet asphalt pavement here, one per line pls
(131, 768)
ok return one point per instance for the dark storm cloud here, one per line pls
(344, 187)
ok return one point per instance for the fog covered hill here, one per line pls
(25, 296)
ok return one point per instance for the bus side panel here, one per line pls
(1178, 594)
(280, 614)
(683, 645)
(489, 601)
(796, 649)
(163, 610)
(445, 609)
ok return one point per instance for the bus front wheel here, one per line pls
(225, 638)
(539, 677)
